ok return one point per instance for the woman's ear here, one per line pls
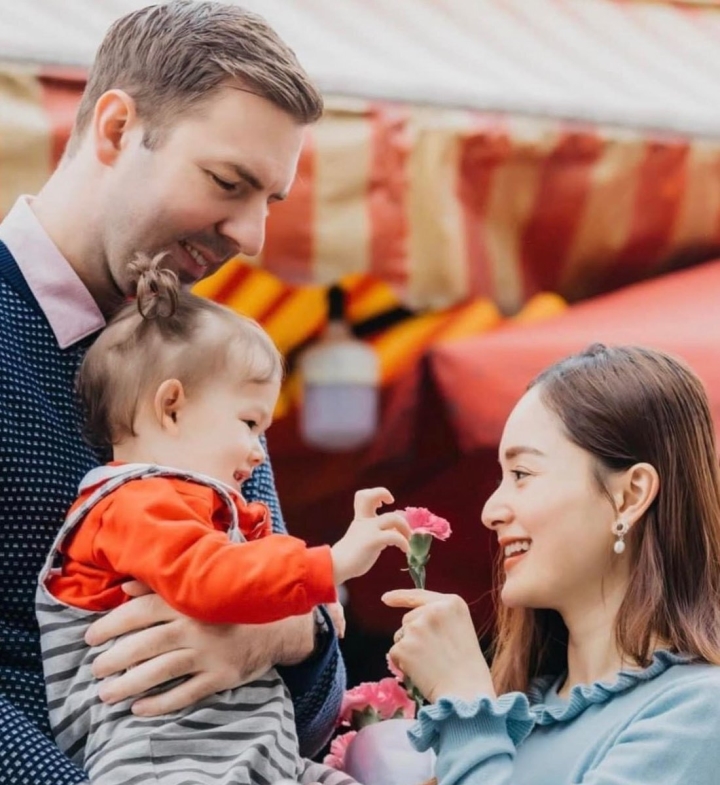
(168, 402)
(635, 490)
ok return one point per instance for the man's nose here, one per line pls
(246, 227)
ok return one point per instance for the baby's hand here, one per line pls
(369, 534)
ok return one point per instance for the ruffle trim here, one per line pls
(522, 712)
(584, 695)
(513, 708)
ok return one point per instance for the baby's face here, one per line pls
(219, 428)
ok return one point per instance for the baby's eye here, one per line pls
(251, 424)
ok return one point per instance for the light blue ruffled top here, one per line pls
(656, 726)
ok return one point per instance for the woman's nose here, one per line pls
(496, 510)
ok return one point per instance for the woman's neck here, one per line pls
(592, 652)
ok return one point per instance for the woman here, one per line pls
(608, 521)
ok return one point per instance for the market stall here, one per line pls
(470, 149)
(485, 375)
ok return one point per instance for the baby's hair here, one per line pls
(166, 333)
(157, 287)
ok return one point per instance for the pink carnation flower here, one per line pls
(386, 697)
(423, 521)
(338, 748)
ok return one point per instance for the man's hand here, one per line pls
(162, 644)
(336, 612)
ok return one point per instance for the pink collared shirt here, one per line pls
(67, 304)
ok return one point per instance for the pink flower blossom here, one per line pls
(422, 521)
(338, 747)
(386, 698)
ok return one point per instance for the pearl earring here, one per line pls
(620, 528)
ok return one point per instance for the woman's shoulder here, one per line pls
(693, 676)
(686, 688)
(669, 679)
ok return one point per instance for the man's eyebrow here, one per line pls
(513, 452)
(255, 182)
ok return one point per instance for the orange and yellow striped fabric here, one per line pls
(294, 315)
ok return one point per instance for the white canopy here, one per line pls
(645, 65)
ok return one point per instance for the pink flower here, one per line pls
(422, 521)
(375, 701)
(338, 748)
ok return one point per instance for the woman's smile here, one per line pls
(514, 549)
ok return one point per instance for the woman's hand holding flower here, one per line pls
(437, 646)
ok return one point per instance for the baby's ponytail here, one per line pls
(157, 287)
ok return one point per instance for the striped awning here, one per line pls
(480, 149)
(640, 64)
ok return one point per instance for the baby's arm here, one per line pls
(153, 532)
(164, 540)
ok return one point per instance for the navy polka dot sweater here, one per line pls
(42, 460)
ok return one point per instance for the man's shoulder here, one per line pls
(19, 312)
(15, 291)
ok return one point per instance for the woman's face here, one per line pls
(552, 520)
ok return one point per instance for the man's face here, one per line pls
(203, 193)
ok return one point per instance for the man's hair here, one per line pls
(166, 333)
(170, 58)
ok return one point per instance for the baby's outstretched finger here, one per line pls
(368, 500)
(395, 520)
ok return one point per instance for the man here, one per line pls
(189, 129)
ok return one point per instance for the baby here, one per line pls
(183, 389)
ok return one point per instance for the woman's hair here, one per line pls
(165, 333)
(626, 405)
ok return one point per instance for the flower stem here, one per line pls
(417, 573)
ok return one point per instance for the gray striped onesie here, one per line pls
(244, 736)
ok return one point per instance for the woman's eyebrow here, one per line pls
(513, 452)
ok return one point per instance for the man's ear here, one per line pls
(168, 402)
(114, 116)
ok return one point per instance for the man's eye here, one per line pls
(224, 184)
